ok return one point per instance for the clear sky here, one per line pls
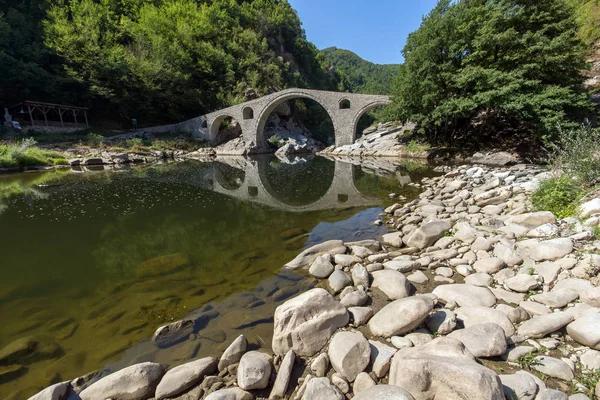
(376, 30)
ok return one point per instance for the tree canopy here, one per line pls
(488, 67)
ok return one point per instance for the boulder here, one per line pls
(338, 280)
(233, 353)
(401, 316)
(321, 389)
(321, 267)
(556, 298)
(381, 355)
(360, 315)
(550, 250)
(442, 321)
(230, 394)
(590, 208)
(307, 256)
(428, 234)
(355, 299)
(482, 340)
(543, 325)
(479, 279)
(320, 365)
(553, 367)
(55, 392)
(591, 297)
(349, 353)
(305, 323)
(362, 382)
(551, 394)
(384, 392)
(444, 369)
(136, 382)
(522, 283)
(393, 239)
(586, 330)
(476, 315)
(173, 333)
(488, 265)
(392, 283)
(519, 386)
(508, 255)
(254, 370)
(183, 377)
(360, 276)
(532, 220)
(465, 295)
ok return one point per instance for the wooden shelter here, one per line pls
(67, 115)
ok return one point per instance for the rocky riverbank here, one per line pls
(473, 296)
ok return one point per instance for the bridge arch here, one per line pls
(248, 113)
(218, 137)
(362, 111)
(278, 100)
(345, 104)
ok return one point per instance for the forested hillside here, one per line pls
(360, 76)
(588, 16)
(161, 60)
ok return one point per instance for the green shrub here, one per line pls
(577, 152)
(558, 195)
(23, 154)
(94, 139)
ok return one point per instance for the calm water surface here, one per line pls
(92, 262)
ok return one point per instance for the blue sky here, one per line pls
(376, 30)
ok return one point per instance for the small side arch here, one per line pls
(366, 108)
(248, 113)
(345, 104)
(219, 136)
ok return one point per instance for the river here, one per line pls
(93, 262)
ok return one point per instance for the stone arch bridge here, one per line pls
(344, 109)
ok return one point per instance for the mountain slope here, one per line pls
(360, 76)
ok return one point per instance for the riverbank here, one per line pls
(474, 296)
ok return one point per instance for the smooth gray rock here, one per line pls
(532, 220)
(254, 370)
(136, 382)
(508, 255)
(549, 271)
(519, 386)
(482, 315)
(362, 382)
(442, 321)
(513, 354)
(488, 265)
(401, 316)
(381, 355)
(522, 283)
(230, 394)
(360, 276)
(173, 333)
(306, 322)
(360, 315)
(590, 359)
(339, 280)
(355, 298)
(55, 392)
(553, 367)
(550, 250)
(392, 283)
(556, 298)
(233, 353)
(320, 365)
(465, 295)
(321, 267)
(543, 325)
(401, 265)
(307, 256)
(349, 353)
(534, 308)
(384, 392)
(346, 260)
(428, 234)
(444, 369)
(321, 389)
(179, 379)
(479, 279)
(579, 285)
(586, 330)
(591, 297)
(283, 376)
(482, 340)
(551, 394)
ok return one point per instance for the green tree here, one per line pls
(480, 68)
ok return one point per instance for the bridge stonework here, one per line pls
(344, 109)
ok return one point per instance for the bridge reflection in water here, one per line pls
(253, 185)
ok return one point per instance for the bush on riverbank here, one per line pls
(24, 154)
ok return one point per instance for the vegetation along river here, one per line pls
(94, 261)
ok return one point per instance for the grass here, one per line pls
(527, 360)
(559, 195)
(25, 154)
(590, 380)
(415, 147)
(596, 233)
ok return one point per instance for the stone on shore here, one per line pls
(482, 340)
(428, 234)
(482, 315)
(488, 265)
(392, 283)
(551, 250)
(381, 355)
(360, 315)
(322, 267)
(254, 370)
(465, 295)
(136, 382)
(556, 299)
(444, 369)
(543, 325)
(522, 283)
(532, 220)
(519, 386)
(362, 382)
(339, 280)
(401, 316)
(283, 376)
(55, 392)
(349, 353)
(321, 389)
(442, 321)
(173, 333)
(306, 322)
(233, 353)
(586, 330)
(305, 258)
(230, 394)
(384, 392)
(590, 208)
(553, 367)
(183, 377)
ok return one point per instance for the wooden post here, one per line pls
(60, 113)
(86, 121)
(75, 116)
(45, 111)
(30, 115)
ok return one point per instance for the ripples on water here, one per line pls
(93, 262)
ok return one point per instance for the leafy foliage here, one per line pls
(490, 68)
(588, 16)
(24, 154)
(356, 75)
(577, 152)
(558, 195)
